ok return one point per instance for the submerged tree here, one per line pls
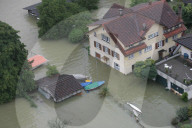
(186, 13)
(54, 11)
(12, 57)
(145, 69)
(26, 81)
(135, 2)
(74, 27)
(89, 4)
(58, 123)
(51, 70)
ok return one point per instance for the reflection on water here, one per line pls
(88, 110)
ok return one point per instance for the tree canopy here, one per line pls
(135, 2)
(12, 57)
(54, 11)
(186, 14)
(145, 69)
(73, 27)
(89, 4)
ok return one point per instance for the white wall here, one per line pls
(186, 50)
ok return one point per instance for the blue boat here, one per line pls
(94, 85)
(85, 84)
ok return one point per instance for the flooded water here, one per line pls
(89, 110)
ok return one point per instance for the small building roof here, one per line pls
(37, 60)
(187, 1)
(33, 9)
(59, 87)
(185, 41)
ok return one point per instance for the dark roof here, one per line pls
(33, 8)
(59, 86)
(185, 41)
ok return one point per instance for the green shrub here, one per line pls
(51, 70)
(104, 92)
(184, 97)
(175, 121)
(182, 114)
(76, 35)
(187, 126)
(190, 111)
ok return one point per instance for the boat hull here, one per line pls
(94, 85)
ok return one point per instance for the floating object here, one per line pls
(88, 80)
(79, 76)
(85, 84)
(94, 85)
(38, 60)
(134, 107)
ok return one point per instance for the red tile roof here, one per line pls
(176, 31)
(135, 49)
(37, 60)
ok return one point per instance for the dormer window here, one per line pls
(179, 25)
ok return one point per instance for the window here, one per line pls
(140, 52)
(95, 34)
(175, 37)
(116, 55)
(105, 38)
(166, 40)
(131, 56)
(160, 44)
(148, 48)
(153, 35)
(106, 50)
(149, 58)
(116, 66)
(97, 45)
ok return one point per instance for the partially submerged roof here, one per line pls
(33, 9)
(187, 1)
(185, 41)
(59, 87)
(37, 61)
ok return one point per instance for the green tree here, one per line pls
(89, 4)
(12, 57)
(135, 2)
(51, 70)
(64, 28)
(186, 14)
(182, 114)
(184, 96)
(26, 81)
(145, 69)
(76, 35)
(54, 11)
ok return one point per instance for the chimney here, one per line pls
(144, 26)
(179, 12)
(120, 11)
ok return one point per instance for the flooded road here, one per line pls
(88, 110)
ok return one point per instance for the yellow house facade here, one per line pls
(115, 41)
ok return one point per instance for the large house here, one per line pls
(127, 35)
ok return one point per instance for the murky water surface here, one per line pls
(88, 110)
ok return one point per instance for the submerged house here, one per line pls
(175, 73)
(127, 35)
(32, 10)
(59, 87)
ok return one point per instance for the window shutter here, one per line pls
(95, 43)
(109, 51)
(163, 42)
(112, 52)
(100, 46)
(104, 48)
(156, 45)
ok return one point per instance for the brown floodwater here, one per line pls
(89, 110)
